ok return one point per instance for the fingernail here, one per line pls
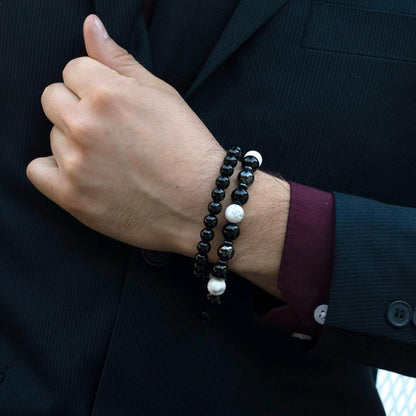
(100, 27)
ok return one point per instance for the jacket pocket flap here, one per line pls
(339, 28)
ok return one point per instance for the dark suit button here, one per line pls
(399, 313)
(157, 258)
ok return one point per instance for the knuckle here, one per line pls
(68, 68)
(48, 93)
(103, 95)
(77, 126)
(45, 95)
(74, 63)
(73, 165)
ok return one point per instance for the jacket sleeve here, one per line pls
(371, 315)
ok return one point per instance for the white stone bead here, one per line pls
(256, 154)
(234, 213)
(216, 286)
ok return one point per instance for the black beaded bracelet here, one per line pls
(201, 264)
(234, 214)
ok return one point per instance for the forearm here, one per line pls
(131, 160)
(258, 249)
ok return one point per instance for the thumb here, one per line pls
(104, 50)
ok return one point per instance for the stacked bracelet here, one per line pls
(234, 214)
(201, 264)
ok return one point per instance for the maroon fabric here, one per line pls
(306, 267)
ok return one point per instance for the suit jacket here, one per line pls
(326, 91)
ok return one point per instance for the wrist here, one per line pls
(186, 233)
(258, 250)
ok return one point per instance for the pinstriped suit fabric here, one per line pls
(88, 326)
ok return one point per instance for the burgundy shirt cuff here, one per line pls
(306, 266)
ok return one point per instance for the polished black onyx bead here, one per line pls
(251, 161)
(207, 235)
(202, 271)
(200, 259)
(230, 160)
(227, 170)
(246, 175)
(222, 182)
(235, 151)
(210, 221)
(240, 195)
(218, 194)
(231, 231)
(225, 250)
(214, 208)
(203, 247)
(220, 270)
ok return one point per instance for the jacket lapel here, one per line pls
(126, 26)
(249, 16)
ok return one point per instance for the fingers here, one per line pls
(62, 148)
(44, 174)
(84, 75)
(59, 103)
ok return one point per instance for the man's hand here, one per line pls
(133, 161)
(130, 158)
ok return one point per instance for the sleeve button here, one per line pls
(320, 314)
(399, 313)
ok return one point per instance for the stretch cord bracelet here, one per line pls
(233, 214)
(201, 264)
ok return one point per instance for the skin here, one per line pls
(122, 163)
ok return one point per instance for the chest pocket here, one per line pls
(361, 27)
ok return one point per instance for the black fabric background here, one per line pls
(88, 326)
